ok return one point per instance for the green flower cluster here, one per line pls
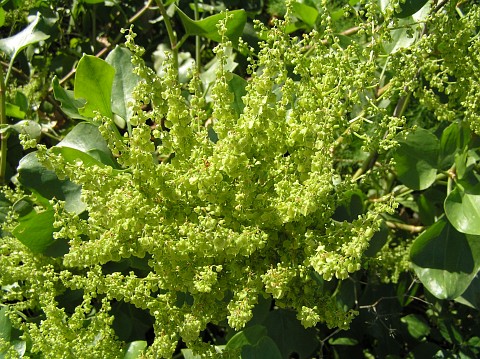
(213, 224)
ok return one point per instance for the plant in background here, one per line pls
(226, 214)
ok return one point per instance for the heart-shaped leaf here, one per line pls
(445, 260)
(463, 211)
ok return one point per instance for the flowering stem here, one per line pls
(197, 39)
(171, 33)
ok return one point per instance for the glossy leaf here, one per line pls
(93, 83)
(30, 35)
(463, 211)
(445, 260)
(34, 176)
(35, 230)
(124, 82)
(135, 349)
(85, 138)
(471, 296)
(416, 159)
(416, 326)
(248, 336)
(305, 13)
(208, 27)
(410, 7)
(70, 105)
(28, 127)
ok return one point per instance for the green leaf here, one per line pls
(70, 105)
(305, 13)
(38, 179)
(208, 27)
(343, 341)
(248, 336)
(265, 348)
(426, 209)
(124, 82)
(87, 140)
(416, 159)
(14, 111)
(35, 230)
(188, 354)
(93, 83)
(30, 128)
(2, 16)
(237, 86)
(463, 211)
(410, 7)
(5, 324)
(471, 296)
(445, 260)
(135, 349)
(30, 35)
(454, 139)
(416, 326)
(289, 334)
(4, 209)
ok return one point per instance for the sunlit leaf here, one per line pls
(135, 349)
(124, 82)
(445, 260)
(463, 211)
(35, 230)
(93, 83)
(30, 35)
(208, 27)
(85, 138)
(416, 326)
(70, 105)
(305, 13)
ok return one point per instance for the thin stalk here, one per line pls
(197, 40)
(171, 34)
(3, 136)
